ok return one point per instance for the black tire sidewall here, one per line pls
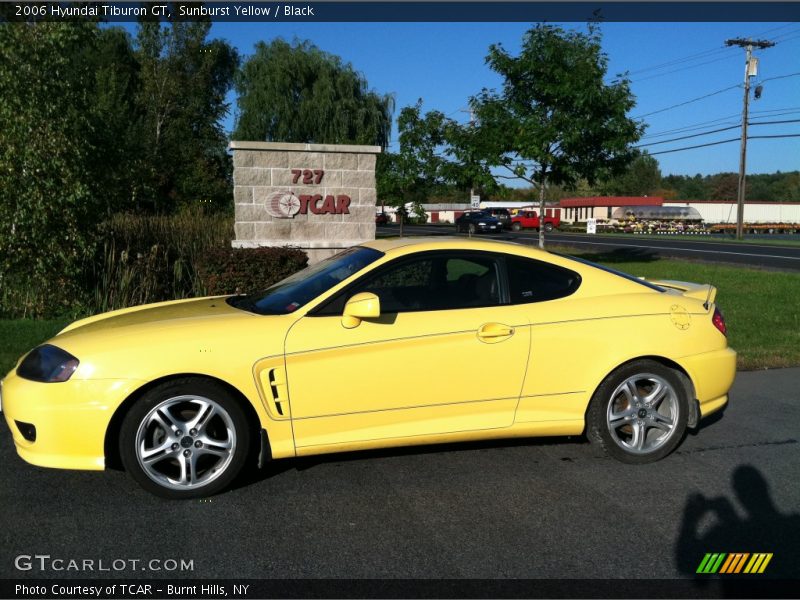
(597, 429)
(170, 389)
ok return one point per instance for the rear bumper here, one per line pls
(71, 419)
(712, 374)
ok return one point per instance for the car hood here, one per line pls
(154, 314)
(184, 336)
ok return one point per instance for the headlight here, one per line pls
(482, 224)
(48, 364)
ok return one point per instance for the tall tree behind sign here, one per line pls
(299, 93)
(183, 80)
(555, 120)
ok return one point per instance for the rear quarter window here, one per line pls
(535, 281)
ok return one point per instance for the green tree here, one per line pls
(48, 199)
(641, 178)
(115, 116)
(434, 158)
(555, 120)
(183, 81)
(299, 93)
(418, 168)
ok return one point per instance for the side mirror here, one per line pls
(361, 306)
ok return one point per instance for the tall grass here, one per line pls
(153, 258)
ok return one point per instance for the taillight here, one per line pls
(719, 322)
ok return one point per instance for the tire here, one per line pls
(623, 408)
(548, 227)
(188, 464)
(471, 228)
(516, 227)
(458, 228)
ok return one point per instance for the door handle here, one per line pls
(495, 332)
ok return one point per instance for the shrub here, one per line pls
(238, 270)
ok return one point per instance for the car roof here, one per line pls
(396, 247)
(422, 243)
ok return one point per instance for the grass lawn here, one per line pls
(761, 308)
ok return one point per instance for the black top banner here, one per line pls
(405, 11)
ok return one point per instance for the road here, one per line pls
(522, 509)
(784, 258)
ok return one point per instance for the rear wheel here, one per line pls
(516, 226)
(548, 227)
(186, 438)
(639, 413)
(472, 228)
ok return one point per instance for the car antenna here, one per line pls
(708, 296)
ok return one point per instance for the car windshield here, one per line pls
(288, 295)
(622, 274)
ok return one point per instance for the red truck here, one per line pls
(529, 219)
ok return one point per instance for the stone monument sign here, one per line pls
(316, 197)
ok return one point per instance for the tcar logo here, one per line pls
(282, 205)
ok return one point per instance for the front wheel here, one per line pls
(516, 226)
(187, 438)
(639, 413)
(471, 228)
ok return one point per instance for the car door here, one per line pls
(447, 354)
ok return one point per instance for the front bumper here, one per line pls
(71, 419)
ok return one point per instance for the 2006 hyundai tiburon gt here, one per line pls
(186, 393)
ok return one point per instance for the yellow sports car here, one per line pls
(373, 348)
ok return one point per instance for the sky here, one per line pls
(668, 63)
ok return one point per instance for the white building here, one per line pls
(754, 212)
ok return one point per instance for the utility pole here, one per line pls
(750, 70)
(471, 124)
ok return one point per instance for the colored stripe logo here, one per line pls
(734, 562)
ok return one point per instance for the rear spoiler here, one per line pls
(699, 291)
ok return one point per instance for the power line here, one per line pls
(682, 69)
(773, 122)
(713, 94)
(780, 77)
(655, 112)
(791, 108)
(772, 137)
(686, 137)
(692, 127)
(736, 139)
(707, 53)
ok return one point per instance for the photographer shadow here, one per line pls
(763, 529)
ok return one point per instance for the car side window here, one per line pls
(407, 287)
(535, 281)
(435, 282)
